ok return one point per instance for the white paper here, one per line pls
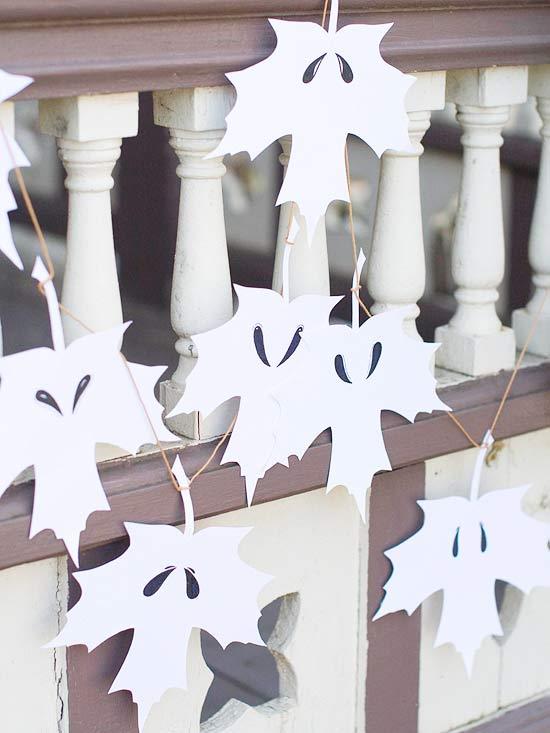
(11, 156)
(463, 548)
(56, 405)
(305, 89)
(258, 350)
(358, 372)
(167, 583)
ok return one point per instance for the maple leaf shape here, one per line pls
(11, 156)
(259, 349)
(358, 373)
(167, 583)
(56, 405)
(462, 549)
(319, 86)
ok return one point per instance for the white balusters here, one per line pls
(539, 240)
(309, 271)
(475, 342)
(396, 271)
(201, 288)
(89, 132)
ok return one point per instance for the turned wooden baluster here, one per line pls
(89, 132)
(309, 272)
(396, 274)
(539, 240)
(475, 341)
(201, 288)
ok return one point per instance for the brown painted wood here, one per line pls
(90, 675)
(82, 46)
(138, 488)
(531, 718)
(394, 640)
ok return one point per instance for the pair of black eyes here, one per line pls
(340, 365)
(345, 69)
(47, 399)
(483, 540)
(156, 583)
(260, 345)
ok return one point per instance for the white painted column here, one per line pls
(201, 288)
(309, 270)
(475, 341)
(89, 132)
(539, 241)
(396, 274)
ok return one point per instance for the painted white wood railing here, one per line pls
(325, 651)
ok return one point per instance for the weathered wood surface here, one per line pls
(139, 490)
(165, 44)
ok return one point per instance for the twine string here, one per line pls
(41, 287)
(511, 380)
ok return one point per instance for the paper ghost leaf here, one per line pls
(11, 156)
(359, 371)
(248, 357)
(167, 583)
(463, 547)
(319, 86)
(56, 405)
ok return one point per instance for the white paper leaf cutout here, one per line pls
(359, 372)
(319, 86)
(56, 405)
(462, 549)
(259, 349)
(11, 155)
(167, 583)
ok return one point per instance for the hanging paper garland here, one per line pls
(167, 583)
(11, 156)
(463, 548)
(258, 351)
(319, 86)
(359, 372)
(57, 404)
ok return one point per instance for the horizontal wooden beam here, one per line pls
(139, 490)
(533, 717)
(97, 46)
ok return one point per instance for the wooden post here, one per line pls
(539, 242)
(475, 342)
(89, 132)
(201, 287)
(397, 271)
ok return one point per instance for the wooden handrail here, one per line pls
(139, 489)
(99, 46)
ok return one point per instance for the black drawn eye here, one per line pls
(345, 69)
(47, 399)
(293, 345)
(193, 589)
(341, 368)
(312, 69)
(260, 346)
(483, 538)
(455, 543)
(156, 583)
(376, 354)
(84, 382)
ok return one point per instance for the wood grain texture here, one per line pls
(84, 46)
(534, 717)
(394, 640)
(139, 490)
